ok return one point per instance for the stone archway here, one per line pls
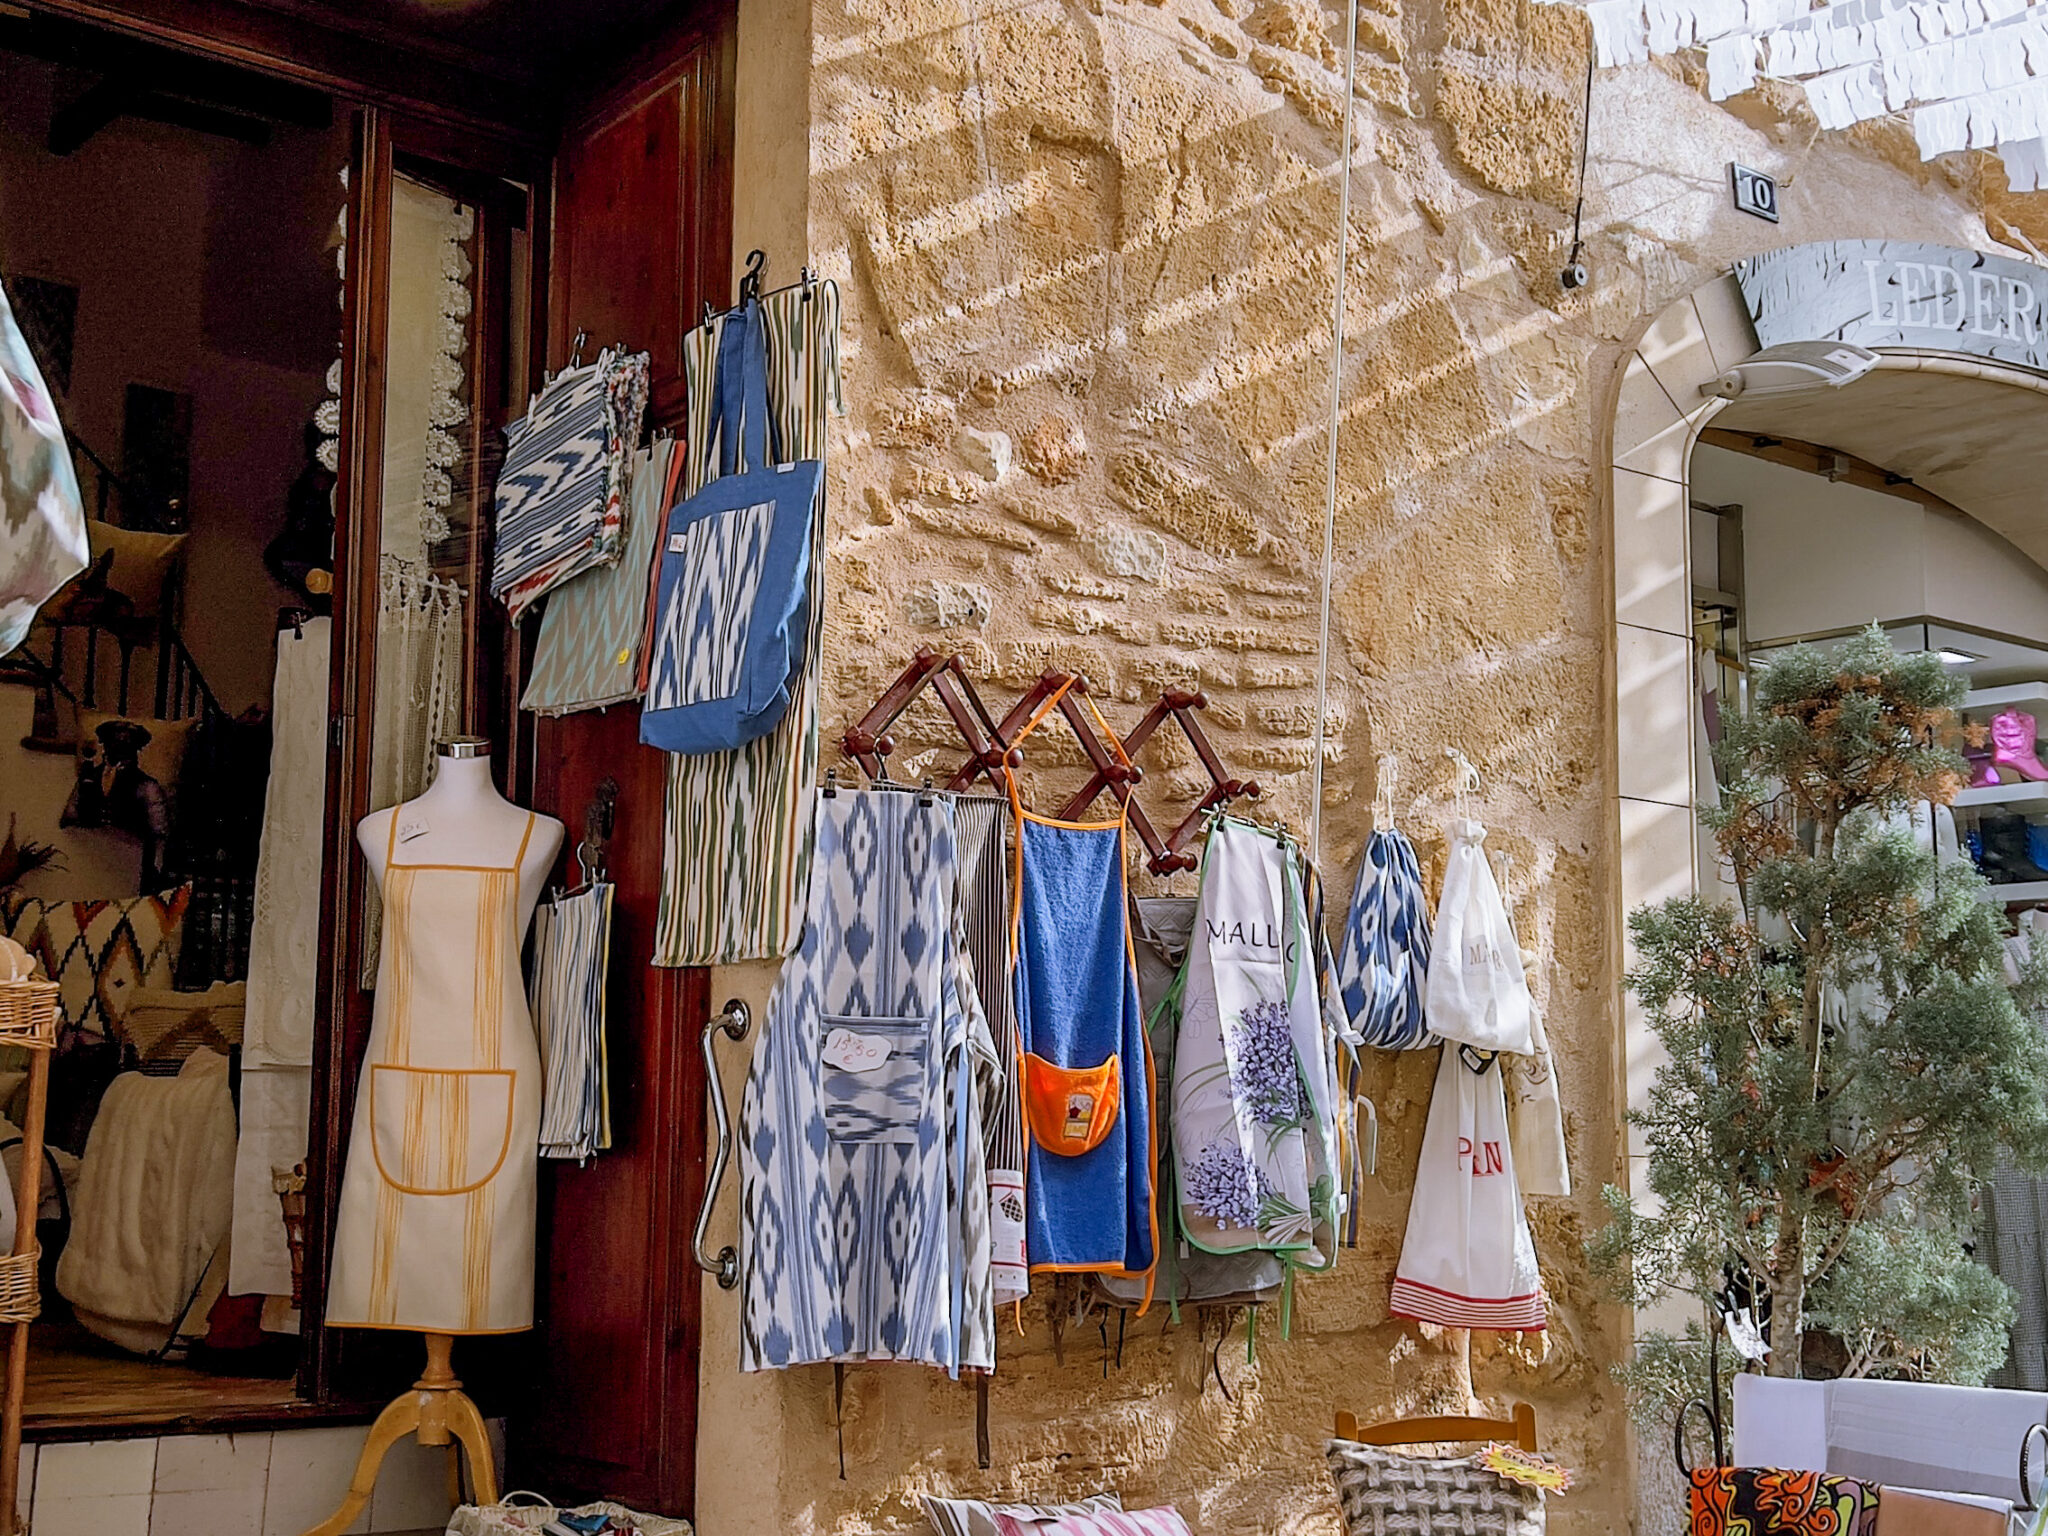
(1970, 421)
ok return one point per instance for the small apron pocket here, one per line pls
(1071, 1109)
(437, 1131)
(871, 1077)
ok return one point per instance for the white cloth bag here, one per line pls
(1476, 990)
(1536, 1117)
(1467, 1260)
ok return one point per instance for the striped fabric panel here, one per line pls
(1427, 1304)
(737, 839)
(572, 939)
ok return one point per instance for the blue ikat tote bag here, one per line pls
(731, 611)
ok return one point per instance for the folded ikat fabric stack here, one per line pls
(561, 494)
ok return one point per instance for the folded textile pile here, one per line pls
(561, 493)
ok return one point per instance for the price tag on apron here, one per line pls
(851, 1052)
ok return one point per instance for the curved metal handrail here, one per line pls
(726, 1263)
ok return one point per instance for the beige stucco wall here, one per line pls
(1106, 230)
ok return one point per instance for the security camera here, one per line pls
(1574, 277)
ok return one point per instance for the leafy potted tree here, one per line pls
(1846, 1057)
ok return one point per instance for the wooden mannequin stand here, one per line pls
(437, 1411)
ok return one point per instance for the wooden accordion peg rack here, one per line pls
(994, 745)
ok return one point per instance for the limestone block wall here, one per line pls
(1086, 249)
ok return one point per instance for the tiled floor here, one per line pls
(227, 1485)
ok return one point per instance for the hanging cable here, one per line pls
(1574, 274)
(1315, 813)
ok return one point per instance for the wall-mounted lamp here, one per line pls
(1793, 367)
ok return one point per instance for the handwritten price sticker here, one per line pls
(411, 824)
(851, 1052)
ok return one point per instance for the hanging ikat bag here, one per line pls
(1385, 952)
(1477, 992)
(731, 626)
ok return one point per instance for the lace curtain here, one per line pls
(419, 698)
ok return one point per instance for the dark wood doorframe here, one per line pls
(341, 1009)
(641, 226)
(478, 169)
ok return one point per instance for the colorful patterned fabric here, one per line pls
(975, 1517)
(737, 853)
(860, 1124)
(560, 495)
(1254, 1105)
(42, 521)
(588, 655)
(1388, 1493)
(1757, 1501)
(100, 953)
(1096, 1522)
(1385, 953)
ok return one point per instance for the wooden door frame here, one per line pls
(473, 164)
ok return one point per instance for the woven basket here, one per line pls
(21, 1297)
(28, 1014)
(1388, 1494)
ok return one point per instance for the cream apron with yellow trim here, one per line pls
(437, 1205)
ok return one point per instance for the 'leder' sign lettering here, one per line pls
(1900, 294)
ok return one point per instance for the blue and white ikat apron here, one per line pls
(864, 1215)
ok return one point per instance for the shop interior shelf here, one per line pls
(2018, 890)
(2027, 797)
(2031, 697)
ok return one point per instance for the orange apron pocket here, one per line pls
(1070, 1109)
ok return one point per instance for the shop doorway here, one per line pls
(169, 238)
(1831, 436)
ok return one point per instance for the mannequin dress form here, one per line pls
(436, 1227)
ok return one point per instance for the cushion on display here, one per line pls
(100, 953)
(166, 1027)
(142, 563)
(162, 757)
(1385, 1492)
(1764, 1501)
(975, 1517)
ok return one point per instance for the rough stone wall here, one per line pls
(1086, 249)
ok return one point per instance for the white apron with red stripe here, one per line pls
(1468, 1261)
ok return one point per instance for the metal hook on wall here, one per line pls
(750, 281)
(1468, 782)
(1386, 770)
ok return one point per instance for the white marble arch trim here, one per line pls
(1658, 414)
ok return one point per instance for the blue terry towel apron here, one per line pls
(1086, 1068)
(863, 1208)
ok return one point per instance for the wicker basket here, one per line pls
(21, 1297)
(28, 1014)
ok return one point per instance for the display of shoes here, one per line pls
(2014, 743)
